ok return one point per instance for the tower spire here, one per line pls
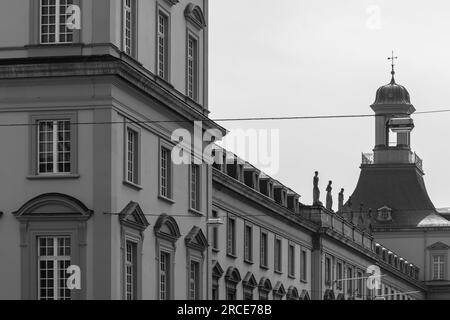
(393, 58)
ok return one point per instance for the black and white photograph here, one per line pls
(212, 153)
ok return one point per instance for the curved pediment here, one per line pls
(194, 14)
(265, 284)
(292, 293)
(233, 275)
(53, 205)
(166, 227)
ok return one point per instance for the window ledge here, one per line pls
(278, 272)
(248, 262)
(291, 276)
(168, 200)
(133, 185)
(264, 267)
(196, 212)
(232, 256)
(53, 177)
(215, 250)
(304, 281)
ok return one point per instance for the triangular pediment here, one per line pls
(438, 246)
(196, 239)
(279, 289)
(249, 280)
(133, 216)
(217, 270)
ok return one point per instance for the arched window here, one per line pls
(292, 293)
(167, 234)
(53, 236)
(232, 279)
(264, 287)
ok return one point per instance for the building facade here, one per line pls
(88, 178)
(91, 93)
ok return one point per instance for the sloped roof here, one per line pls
(401, 188)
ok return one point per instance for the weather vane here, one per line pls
(393, 58)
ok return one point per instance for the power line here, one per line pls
(242, 119)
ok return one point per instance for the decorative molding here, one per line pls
(217, 271)
(265, 285)
(233, 275)
(51, 206)
(196, 240)
(172, 2)
(305, 295)
(133, 217)
(250, 281)
(279, 289)
(174, 231)
(194, 15)
(292, 293)
(438, 246)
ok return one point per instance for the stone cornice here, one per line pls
(106, 65)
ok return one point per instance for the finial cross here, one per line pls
(393, 58)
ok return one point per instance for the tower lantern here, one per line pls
(393, 124)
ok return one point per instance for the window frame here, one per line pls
(442, 266)
(231, 251)
(133, 28)
(163, 145)
(278, 267)
(36, 20)
(248, 247)
(133, 264)
(215, 233)
(35, 118)
(304, 265)
(198, 188)
(264, 259)
(160, 10)
(194, 96)
(137, 156)
(291, 260)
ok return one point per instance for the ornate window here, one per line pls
(52, 237)
(279, 292)
(249, 284)
(133, 223)
(196, 244)
(217, 274)
(192, 67)
(232, 279)
(292, 293)
(167, 234)
(264, 288)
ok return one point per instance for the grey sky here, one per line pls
(297, 57)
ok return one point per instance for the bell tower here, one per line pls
(393, 124)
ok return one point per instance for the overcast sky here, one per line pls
(321, 57)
